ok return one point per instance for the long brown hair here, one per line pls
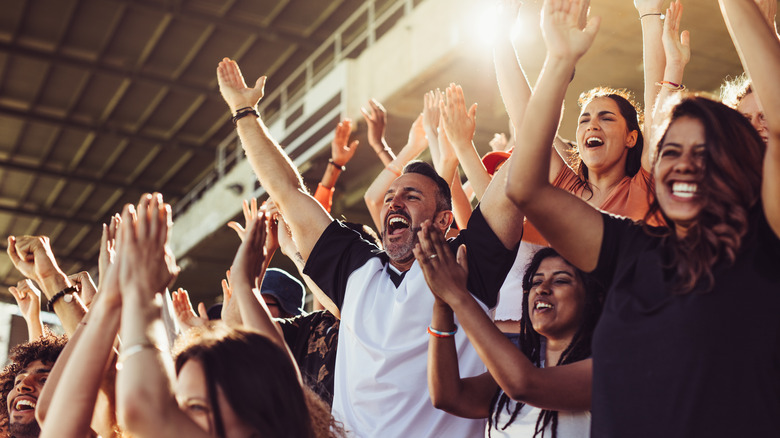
(259, 382)
(731, 186)
(628, 110)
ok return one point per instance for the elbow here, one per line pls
(442, 402)
(520, 194)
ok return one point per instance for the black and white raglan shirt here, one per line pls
(381, 386)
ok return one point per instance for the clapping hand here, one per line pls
(184, 312)
(146, 265)
(445, 273)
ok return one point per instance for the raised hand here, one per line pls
(248, 263)
(250, 212)
(33, 257)
(376, 119)
(230, 313)
(341, 150)
(445, 274)
(499, 142)
(28, 298)
(431, 111)
(417, 140)
(86, 287)
(107, 246)
(561, 27)
(146, 266)
(459, 123)
(234, 89)
(677, 45)
(184, 312)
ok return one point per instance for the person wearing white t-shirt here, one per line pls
(380, 378)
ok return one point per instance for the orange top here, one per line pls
(630, 198)
(324, 196)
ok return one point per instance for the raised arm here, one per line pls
(28, 298)
(759, 50)
(376, 120)
(341, 152)
(572, 227)
(70, 401)
(375, 194)
(460, 124)
(146, 405)
(650, 16)
(33, 257)
(565, 387)
(677, 50)
(272, 166)
(503, 217)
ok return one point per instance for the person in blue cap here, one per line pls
(283, 294)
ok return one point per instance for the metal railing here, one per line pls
(357, 33)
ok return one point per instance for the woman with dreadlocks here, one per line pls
(560, 309)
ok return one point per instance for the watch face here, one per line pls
(67, 298)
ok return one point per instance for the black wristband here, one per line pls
(58, 295)
(243, 112)
(332, 163)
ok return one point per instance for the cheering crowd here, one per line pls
(621, 284)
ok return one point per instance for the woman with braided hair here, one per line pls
(561, 306)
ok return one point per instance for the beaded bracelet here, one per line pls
(337, 166)
(671, 85)
(70, 290)
(439, 334)
(243, 112)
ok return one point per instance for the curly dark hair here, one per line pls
(531, 341)
(731, 185)
(634, 119)
(46, 349)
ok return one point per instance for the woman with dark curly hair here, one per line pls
(561, 306)
(687, 344)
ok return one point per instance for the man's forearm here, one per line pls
(69, 313)
(273, 167)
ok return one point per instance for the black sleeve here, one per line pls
(621, 238)
(489, 261)
(338, 252)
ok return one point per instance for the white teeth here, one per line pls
(397, 219)
(684, 190)
(594, 141)
(542, 305)
(25, 402)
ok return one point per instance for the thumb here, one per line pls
(260, 83)
(462, 259)
(202, 312)
(473, 112)
(685, 38)
(354, 144)
(592, 28)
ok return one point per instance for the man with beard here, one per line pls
(22, 380)
(385, 304)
